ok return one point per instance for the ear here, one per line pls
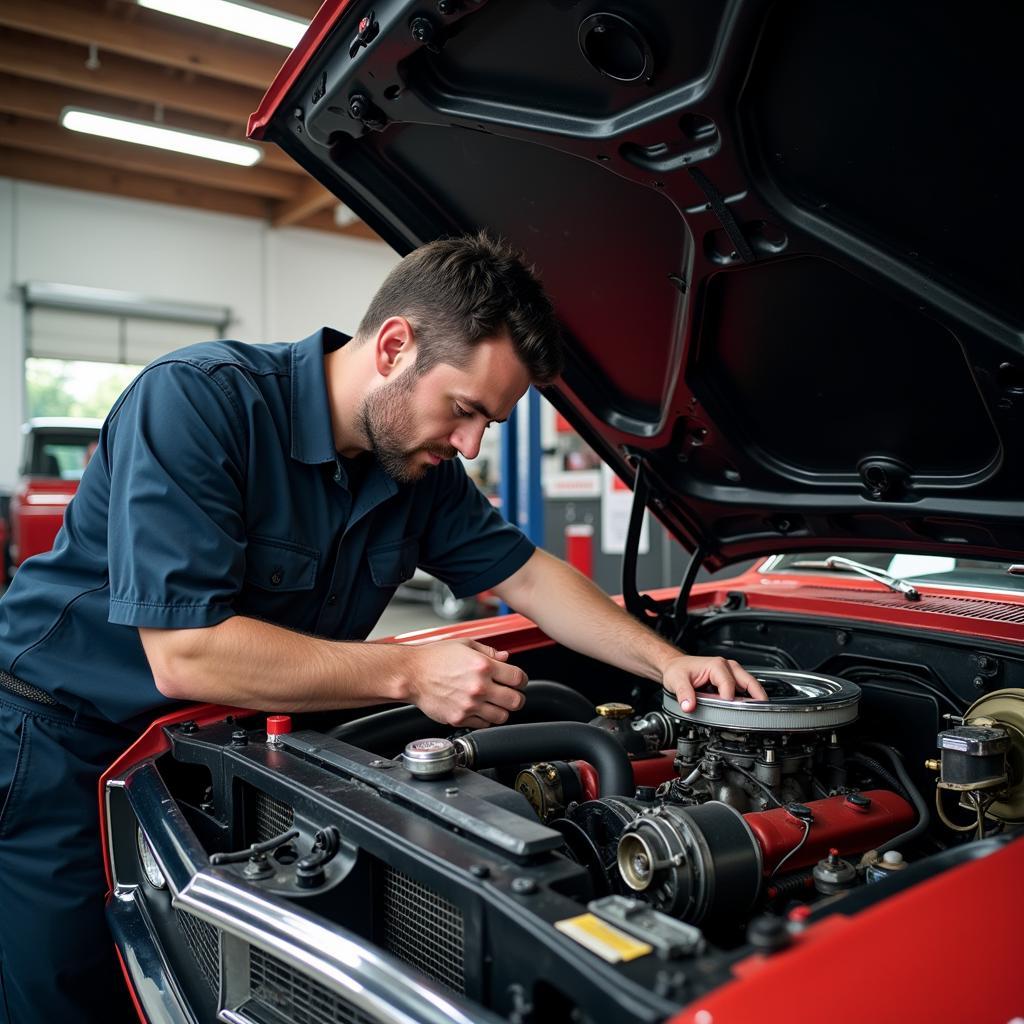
(395, 346)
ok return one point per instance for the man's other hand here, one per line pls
(465, 684)
(687, 673)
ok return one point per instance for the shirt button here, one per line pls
(332, 598)
(276, 576)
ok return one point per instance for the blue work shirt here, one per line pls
(215, 491)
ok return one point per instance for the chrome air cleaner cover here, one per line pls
(797, 702)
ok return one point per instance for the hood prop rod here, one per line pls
(679, 617)
(640, 606)
(670, 624)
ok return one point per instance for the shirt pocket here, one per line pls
(393, 563)
(278, 566)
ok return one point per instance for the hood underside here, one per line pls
(783, 238)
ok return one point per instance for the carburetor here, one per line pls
(754, 755)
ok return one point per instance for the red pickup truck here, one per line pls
(55, 453)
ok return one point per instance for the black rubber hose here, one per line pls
(876, 768)
(389, 731)
(924, 817)
(556, 741)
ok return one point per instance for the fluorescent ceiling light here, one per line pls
(125, 130)
(243, 18)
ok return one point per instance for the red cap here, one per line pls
(278, 725)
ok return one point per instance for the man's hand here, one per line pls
(685, 674)
(466, 684)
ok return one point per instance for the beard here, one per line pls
(387, 421)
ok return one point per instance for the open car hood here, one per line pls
(783, 238)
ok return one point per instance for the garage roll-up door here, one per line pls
(64, 334)
(111, 327)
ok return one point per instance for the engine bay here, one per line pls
(671, 845)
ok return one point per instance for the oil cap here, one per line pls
(278, 726)
(431, 758)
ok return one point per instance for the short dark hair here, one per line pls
(457, 291)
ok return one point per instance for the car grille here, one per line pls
(203, 941)
(424, 930)
(417, 926)
(272, 817)
(276, 986)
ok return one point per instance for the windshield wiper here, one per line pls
(833, 562)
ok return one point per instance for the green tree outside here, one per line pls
(57, 387)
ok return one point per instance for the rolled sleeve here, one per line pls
(176, 534)
(467, 544)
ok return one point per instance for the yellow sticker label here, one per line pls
(603, 939)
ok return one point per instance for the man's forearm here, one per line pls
(248, 663)
(576, 613)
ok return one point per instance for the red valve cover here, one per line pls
(836, 823)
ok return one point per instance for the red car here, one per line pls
(780, 237)
(55, 452)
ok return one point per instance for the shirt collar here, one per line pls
(312, 432)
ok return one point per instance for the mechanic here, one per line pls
(244, 522)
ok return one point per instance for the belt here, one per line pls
(28, 692)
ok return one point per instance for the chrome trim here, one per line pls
(465, 752)
(814, 702)
(965, 588)
(372, 981)
(429, 758)
(153, 981)
(174, 844)
(900, 586)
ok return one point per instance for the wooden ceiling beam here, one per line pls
(324, 221)
(59, 143)
(45, 101)
(308, 200)
(73, 174)
(158, 41)
(60, 64)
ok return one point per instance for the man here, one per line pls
(244, 521)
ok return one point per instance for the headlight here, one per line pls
(147, 858)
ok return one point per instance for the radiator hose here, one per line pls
(910, 791)
(389, 731)
(553, 741)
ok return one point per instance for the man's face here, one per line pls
(412, 423)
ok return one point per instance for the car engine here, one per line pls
(668, 845)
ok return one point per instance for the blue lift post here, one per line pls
(522, 501)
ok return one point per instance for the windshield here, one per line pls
(60, 454)
(931, 570)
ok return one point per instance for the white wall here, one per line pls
(11, 341)
(281, 285)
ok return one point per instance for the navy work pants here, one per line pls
(57, 960)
